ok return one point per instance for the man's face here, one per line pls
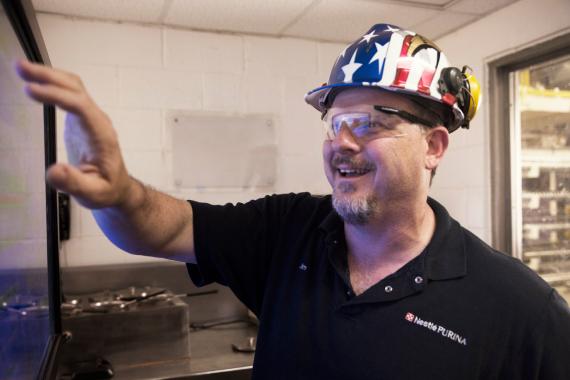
(372, 174)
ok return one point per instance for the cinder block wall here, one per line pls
(139, 73)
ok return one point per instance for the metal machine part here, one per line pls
(127, 327)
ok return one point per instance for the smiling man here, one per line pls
(377, 280)
(379, 166)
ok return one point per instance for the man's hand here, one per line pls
(135, 217)
(96, 175)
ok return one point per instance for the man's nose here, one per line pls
(345, 140)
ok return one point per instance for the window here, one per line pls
(540, 162)
(529, 98)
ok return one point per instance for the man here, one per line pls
(376, 281)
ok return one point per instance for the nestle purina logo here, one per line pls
(446, 333)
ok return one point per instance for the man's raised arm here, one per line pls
(134, 217)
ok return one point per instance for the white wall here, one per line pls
(463, 181)
(137, 73)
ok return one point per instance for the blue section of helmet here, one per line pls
(366, 48)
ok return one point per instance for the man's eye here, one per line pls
(382, 125)
(359, 124)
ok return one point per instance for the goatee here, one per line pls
(354, 210)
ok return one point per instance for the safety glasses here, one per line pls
(375, 122)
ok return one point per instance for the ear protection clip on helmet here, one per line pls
(462, 88)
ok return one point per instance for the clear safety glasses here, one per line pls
(377, 122)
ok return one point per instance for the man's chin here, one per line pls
(354, 209)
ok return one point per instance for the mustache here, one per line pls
(347, 160)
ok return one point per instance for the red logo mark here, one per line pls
(410, 317)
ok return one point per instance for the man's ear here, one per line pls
(437, 139)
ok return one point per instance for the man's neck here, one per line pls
(387, 242)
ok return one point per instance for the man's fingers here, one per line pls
(33, 72)
(72, 99)
(53, 94)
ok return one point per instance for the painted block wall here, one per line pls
(139, 73)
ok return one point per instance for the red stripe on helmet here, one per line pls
(404, 64)
(425, 81)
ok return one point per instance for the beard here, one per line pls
(353, 210)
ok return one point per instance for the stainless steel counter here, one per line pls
(161, 355)
(212, 357)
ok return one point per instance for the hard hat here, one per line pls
(390, 58)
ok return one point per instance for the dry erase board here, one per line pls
(221, 151)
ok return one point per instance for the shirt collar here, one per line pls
(445, 256)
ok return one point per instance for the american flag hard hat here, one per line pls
(390, 58)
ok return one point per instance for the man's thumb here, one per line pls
(65, 178)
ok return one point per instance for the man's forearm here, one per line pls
(149, 223)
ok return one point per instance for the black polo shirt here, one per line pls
(459, 310)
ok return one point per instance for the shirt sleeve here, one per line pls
(235, 244)
(553, 340)
(544, 355)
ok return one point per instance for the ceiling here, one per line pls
(324, 20)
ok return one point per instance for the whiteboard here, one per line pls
(219, 151)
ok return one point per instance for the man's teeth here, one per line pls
(352, 172)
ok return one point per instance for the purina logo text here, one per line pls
(446, 333)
